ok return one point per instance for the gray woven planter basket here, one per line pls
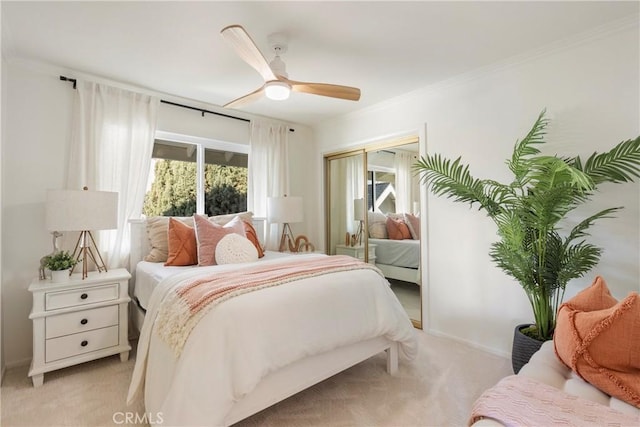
(523, 348)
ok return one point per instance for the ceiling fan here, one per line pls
(276, 85)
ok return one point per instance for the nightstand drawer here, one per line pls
(79, 321)
(84, 342)
(55, 300)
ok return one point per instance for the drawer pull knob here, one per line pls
(84, 343)
(84, 296)
(84, 321)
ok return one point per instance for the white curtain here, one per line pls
(347, 184)
(406, 182)
(111, 144)
(268, 171)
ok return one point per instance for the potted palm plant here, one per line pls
(532, 247)
(60, 265)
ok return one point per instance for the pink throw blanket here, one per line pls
(187, 303)
(520, 401)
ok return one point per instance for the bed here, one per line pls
(258, 348)
(398, 259)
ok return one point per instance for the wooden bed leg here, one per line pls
(392, 359)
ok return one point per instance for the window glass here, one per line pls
(174, 186)
(381, 189)
(225, 182)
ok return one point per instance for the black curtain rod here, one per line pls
(204, 111)
(67, 79)
(210, 112)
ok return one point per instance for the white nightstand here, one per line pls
(78, 320)
(357, 252)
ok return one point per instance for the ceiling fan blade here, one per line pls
(244, 100)
(240, 40)
(325, 89)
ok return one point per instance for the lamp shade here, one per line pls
(79, 210)
(358, 209)
(285, 209)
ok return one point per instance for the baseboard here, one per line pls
(490, 350)
(18, 363)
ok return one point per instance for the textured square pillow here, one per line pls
(157, 232)
(377, 225)
(599, 339)
(252, 235)
(208, 234)
(182, 246)
(413, 222)
(234, 249)
(397, 229)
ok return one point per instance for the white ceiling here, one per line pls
(384, 48)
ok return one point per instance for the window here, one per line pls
(195, 175)
(381, 189)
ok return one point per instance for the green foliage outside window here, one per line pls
(173, 192)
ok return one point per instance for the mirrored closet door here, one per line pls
(345, 174)
(373, 213)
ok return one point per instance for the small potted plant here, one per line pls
(60, 265)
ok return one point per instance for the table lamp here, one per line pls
(285, 210)
(83, 211)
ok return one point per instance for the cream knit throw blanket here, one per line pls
(188, 302)
(520, 401)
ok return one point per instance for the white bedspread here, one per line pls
(149, 274)
(245, 338)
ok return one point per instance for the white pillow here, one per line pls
(377, 225)
(234, 248)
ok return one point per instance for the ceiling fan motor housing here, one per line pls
(279, 44)
(278, 66)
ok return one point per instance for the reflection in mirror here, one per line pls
(393, 201)
(345, 204)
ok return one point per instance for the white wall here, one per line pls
(35, 134)
(591, 92)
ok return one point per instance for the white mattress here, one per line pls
(149, 274)
(401, 253)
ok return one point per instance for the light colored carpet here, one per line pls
(436, 389)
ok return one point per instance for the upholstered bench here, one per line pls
(544, 367)
(599, 337)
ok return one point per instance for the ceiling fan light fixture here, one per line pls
(277, 90)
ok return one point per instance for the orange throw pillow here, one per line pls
(181, 244)
(599, 339)
(397, 229)
(209, 234)
(252, 235)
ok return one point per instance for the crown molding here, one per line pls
(597, 33)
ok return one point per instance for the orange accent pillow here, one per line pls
(209, 234)
(252, 235)
(397, 229)
(599, 339)
(182, 246)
